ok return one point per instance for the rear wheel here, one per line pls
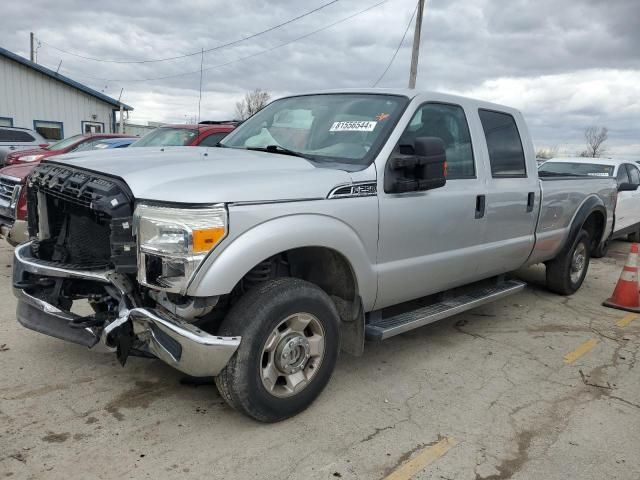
(601, 250)
(566, 273)
(290, 342)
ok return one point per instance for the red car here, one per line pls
(13, 202)
(204, 134)
(63, 146)
(13, 198)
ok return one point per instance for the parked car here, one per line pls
(13, 215)
(205, 134)
(107, 144)
(14, 139)
(627, 175)
(323, 221)
(63, 146)
(13, 203)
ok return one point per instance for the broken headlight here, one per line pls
(172, 242)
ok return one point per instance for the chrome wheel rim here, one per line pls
(578, 262)
(292, 355)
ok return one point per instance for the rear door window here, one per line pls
(506, 154)
(7, 135)
(213, 139)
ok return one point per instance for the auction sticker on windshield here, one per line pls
(353, 126)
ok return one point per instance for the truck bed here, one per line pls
(562, 197)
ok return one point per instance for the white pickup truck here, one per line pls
(324, 220)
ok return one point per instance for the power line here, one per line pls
(399, 46)
(217, 47)
(212, 67)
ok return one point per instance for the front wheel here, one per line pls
(290, 342)
(566, 273)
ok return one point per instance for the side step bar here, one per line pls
(384, 327)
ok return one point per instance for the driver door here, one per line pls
(429, 241)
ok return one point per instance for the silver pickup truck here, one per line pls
(323, 221)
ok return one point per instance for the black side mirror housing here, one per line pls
(628, 187)
(425, 169)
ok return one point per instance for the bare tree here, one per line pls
(252, 103)
(547, 152)
(595, 137)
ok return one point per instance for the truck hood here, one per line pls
(210, 175)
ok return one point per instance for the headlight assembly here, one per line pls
(173, 242)
(31, 158)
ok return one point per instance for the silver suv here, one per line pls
(15, 138)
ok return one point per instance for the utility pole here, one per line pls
(32, 55)
(121, 112)
(413, 73)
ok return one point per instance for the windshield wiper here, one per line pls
(278, 149)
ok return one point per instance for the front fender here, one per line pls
(222, 270)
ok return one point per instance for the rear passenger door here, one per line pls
(512, 196)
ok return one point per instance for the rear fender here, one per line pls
(222, 270)
(592, 204)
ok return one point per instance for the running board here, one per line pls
(383, 328)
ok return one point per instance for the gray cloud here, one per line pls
(467, 45)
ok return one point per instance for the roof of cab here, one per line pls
(411, 94)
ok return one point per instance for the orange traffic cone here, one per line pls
(626, 296)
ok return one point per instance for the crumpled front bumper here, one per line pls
(174, 341)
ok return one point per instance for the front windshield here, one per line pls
(62, 144)
(340, 128)
(167, 137)
(586, 168)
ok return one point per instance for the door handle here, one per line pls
(12, 148)
(531, 199)
(480, 206)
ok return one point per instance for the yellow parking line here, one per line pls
(580, 351)
(426, 457)
(626, 320)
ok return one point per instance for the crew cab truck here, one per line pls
(323, 221)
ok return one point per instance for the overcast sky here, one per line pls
(566, 64)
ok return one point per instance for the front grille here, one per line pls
(7, 186)
(86, 218)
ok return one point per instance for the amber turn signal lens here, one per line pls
(205, 239)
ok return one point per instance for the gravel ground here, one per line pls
(488, 394)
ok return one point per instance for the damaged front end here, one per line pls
(83, 249)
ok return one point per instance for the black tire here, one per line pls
(601, 250)
(255, 318)
(559, 270)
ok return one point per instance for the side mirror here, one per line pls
(628, 187)
(425, 169)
